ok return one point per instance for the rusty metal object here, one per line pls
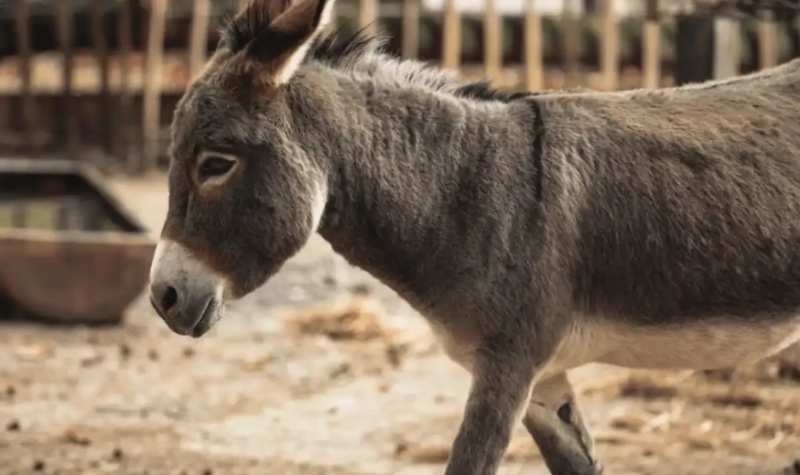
(69, 251)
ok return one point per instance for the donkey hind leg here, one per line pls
(500, 389)
(556, 425)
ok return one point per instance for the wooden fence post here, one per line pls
(572, 46)
(492, 41)
(368, 15)
(69, 110)
(123, 144)
(198, 40)
(609, 44)
(152, 85)
(533, 47)
(726, 48)
(767, 41)
(410, 29)
(451, 32)
(23, 37)
(108, 125)
(652, 46)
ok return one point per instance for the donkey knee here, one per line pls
(555, 422)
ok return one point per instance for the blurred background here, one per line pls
(324, 370)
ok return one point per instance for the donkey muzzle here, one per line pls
(184, 292)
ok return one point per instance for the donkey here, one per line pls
(535, 232)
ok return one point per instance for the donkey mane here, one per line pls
(331, 49)
(364, 52)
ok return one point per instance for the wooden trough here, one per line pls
(69, 252)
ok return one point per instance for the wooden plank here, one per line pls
(23, 37)
(492, 40)
(451, 33)
(410, 29)
(108, 119)
(69, 109)
(198, 40)
(652, 47)
(609, 45)
(152, 88)
(571, 43)
(726, 48)
(534, 66)
(368, 15)
(767, 41)
(123, 136)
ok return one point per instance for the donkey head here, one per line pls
(243, 194)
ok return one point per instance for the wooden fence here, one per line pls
(110, 102)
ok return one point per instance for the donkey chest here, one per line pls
(457, 345)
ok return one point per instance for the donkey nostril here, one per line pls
(169, 299)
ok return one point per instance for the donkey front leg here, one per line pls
(500, 388)
(556, 425)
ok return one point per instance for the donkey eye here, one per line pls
(215, 166)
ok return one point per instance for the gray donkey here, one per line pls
(536, 233)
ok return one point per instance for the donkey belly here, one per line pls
(705, 345)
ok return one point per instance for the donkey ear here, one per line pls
(286, 41)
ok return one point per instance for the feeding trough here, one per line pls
(69, 252)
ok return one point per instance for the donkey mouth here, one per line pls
(207, 319)
(211, 314)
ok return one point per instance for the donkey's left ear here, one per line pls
(285, 43)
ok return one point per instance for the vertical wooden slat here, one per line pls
(125, 100)
(492, 40)
(69, 111)
(123, 134)
(571, 29)
(22, 19)
(609, 44)
(533, 47)
(410, 29)
(726, 48)
(152, 86)
(198, 41)
(767, 41)
(451, 32)
(652, 48)
(368, 15)
(108, 119)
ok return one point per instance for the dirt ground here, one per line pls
(325, 371)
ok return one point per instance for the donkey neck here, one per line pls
(411, 172)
